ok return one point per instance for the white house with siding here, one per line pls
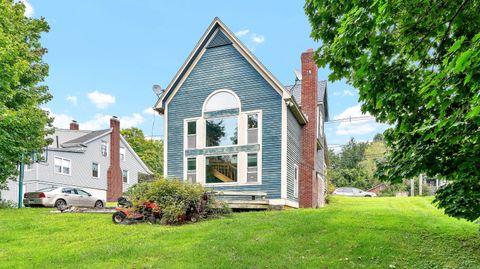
(100, 162)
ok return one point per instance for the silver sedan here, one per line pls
(353, 192)
(61, 197)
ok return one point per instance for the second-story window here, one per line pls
(104, 149)
(191, 134)
(122, 153)
(62, 166)
(252, 136)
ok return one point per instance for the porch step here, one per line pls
(243, 204)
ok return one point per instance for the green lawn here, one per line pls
(349, 233)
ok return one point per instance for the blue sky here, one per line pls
(112, 52)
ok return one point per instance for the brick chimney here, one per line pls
(74, 125)
(308, 194)
(114, 174)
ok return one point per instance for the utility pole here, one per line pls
(20, 182)
(412, 187)
(420, 184)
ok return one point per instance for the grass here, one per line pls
(349, 233)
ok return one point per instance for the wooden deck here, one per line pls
(244, 200)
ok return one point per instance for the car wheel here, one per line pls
(368, 195)
(60, 204)
(118, 217)
(98, 204)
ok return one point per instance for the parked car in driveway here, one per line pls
(61, 197)
(353, 192)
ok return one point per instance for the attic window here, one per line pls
(221, 100)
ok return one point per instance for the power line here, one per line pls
(351, 119)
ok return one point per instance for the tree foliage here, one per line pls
(150, 151)
(416, 64)
(23, 124)
(355, 165)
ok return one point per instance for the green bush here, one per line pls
(7, 204)
(179, 200)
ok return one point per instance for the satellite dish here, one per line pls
(298, 75)
(157, 89)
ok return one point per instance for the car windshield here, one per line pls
(46, 189)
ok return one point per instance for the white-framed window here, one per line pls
(252, 128)
(125, 176)
(295, 181)
(95, 170)
(192, 134)
(252, 167)
(221, 131)
(62, 166)
(221, 100)
(192, 169)
(221, 169)
(104, 149)
(122, 153)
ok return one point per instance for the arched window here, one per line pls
(221, 100)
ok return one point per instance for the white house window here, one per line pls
(122, 153)
(221, 131)
(191, 134)
(252, 167)
(295, 181)
(221, 100)
(62, 166)
(95, 169)
(104, 148)
(221, 169)
(192, 170)
(125, 175)
(252, 136)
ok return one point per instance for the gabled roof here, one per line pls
(296, 92)
(81, 141)
(223, 36)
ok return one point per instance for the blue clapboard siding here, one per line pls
(224, 67)
(294, 137)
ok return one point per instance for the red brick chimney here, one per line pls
(308, 194)
(114, 174)
(74, 125)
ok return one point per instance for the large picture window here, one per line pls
(221, 132)
(221, 169)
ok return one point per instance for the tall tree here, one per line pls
(416, 64)
(150, 151)
(23, 124)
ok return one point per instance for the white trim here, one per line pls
(284, 151)
(98, 170)
(283, 202)
(61, 173)
(296, 175)
(290, 203)
(219, 91)
(165, 142)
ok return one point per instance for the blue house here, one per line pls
(231, 125)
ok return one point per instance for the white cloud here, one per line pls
(60, 120)
(131, 121)
(242, 32)
(72, 99)
(356, 126)
(101, 100)
(28, 8)
(336, 93)
(347, 93)
(99, 121)
(258, 39)
(149, 111)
